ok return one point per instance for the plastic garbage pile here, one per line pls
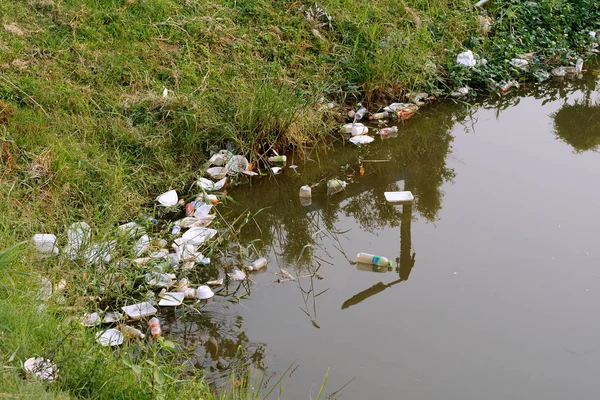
(358, 133)
(225, 164)
(520, 64)
(160, 261)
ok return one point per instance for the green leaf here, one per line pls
(137, 369)
(168, 345)
(159, 376)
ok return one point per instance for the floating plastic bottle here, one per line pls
(131, 332)
(373, 259)
(360, 113)
(377, 116)
(277, 159)
(388, 131)
(155, 329)
(258, 264)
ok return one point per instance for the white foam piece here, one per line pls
(399, 197)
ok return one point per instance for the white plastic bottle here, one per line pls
(360, 113)
(373, 259)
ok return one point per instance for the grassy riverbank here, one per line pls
(88, 131)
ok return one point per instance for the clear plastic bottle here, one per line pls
(360, 113)
(373, 259)
(155, 329)
(130, 331)
(277, 159)
(258, 264)
(381, 115)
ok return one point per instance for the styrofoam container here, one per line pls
(168, 199)
(41, 367)
(171, 299)
(399, 197)
(140, 310)
(110, 337)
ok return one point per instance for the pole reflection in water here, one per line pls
(404, 263)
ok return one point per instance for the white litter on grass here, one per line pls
(237, 275)
(202, 211)
(211, 186)
(466, 59)
(361, 139)
(90, 320)
(111, 317)
(518, 63)
(168, 199)
(220, 158)
(216, 282)
(171, 299)
(100, 253)
(110, 337)
(165, 92)
(185, 251)
(196, 236)
(131, 229)
(140, 310)
(142, 245)
(45, 244)
(78, 237)
(200, 259)
(45, 291)
(399, 197)
(276, 170)
(41, 367)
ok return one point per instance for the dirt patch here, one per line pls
(14, 29)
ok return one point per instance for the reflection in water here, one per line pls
(578, 124)
(404, 263)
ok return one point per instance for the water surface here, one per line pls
(495, 288)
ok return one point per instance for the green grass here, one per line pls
(86, 134)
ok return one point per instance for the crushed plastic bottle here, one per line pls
(373, 259)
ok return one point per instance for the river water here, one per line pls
(495, 288)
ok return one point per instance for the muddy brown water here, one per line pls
(495, 289)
